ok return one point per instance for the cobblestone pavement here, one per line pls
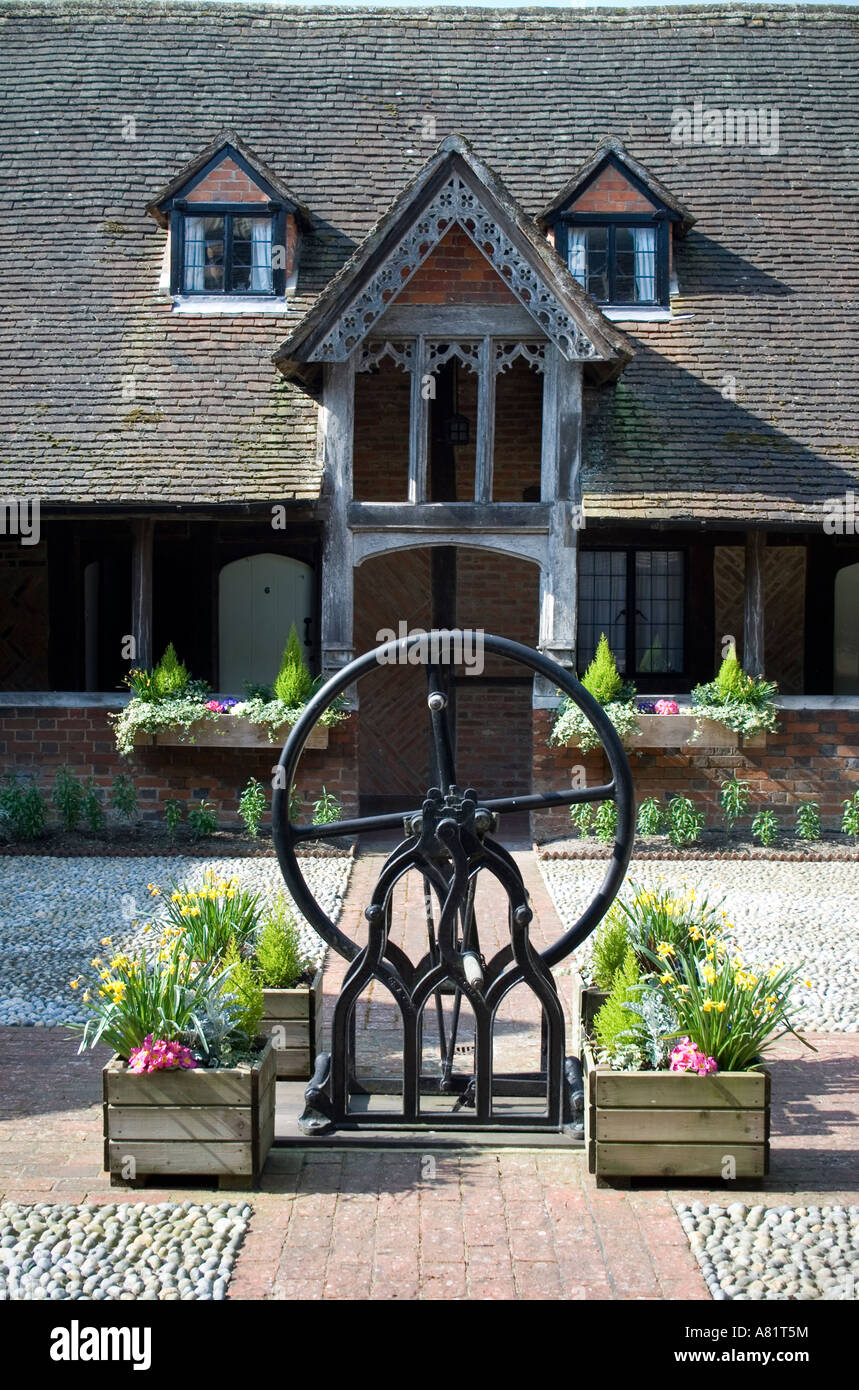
(420, 1224)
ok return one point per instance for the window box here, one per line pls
(228, 731)
(587, 1001)
(199, 1123)
(677, 730)
(292, 1018)
(662, 1124)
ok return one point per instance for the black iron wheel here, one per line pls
(288, 837)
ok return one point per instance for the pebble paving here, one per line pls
(124, 1251)
(804, 913)
(785, 1252)
(55, 912)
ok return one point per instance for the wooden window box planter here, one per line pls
(212, 1124)
(226, 732)
(677, 730)
(587, 1001)
(657, 1124)
(292, 1018)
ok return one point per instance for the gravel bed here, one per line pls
(55, 912)
(748, 1253)
(805, 914)
(127, 1251)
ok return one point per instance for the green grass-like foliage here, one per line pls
(729, 1012)
(850, 817)
(682, 920)
(651, 817)
(253, 803)
(23, 807)
(685, 823)
(213, 915)
(765, 828)
(244, 988)
(582, 817)
(327, 809)
(614, 1024)
(123, 796)
(293, 683)
(808, 821)
(68, 798)
(278, 947)
(734, 797)
(611, 942)
(202, 819)
(163, 997)
(92, 808)
(605, 822)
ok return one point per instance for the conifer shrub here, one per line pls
(293, 683)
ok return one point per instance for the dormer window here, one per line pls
(619, 263)
(234, 232)
(228, 253)
(615, 226)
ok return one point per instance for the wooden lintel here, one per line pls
(455, 320)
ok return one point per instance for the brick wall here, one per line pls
(36, 740)
(813, 757)
(456, 273)
(23, 615)
(227, 183)
(611, 192)
(381, 438)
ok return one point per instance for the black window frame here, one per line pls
(645, 681)
(229, 211)
(659, 220)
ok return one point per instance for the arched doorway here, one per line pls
(492, 590)
(259, 598)
(845, 652)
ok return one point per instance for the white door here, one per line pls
(846, 649)
(259, 598)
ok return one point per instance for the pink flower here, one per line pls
(667, 707)
(687, 1057)
(213, 705)
(160, 1055)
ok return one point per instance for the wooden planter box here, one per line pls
(201, 1123)
(587, 1001)
(656, 1124)
(226, 732)
(292, 1019)
(678, 730)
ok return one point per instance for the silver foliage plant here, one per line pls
(649, 1042)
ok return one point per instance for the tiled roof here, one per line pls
(743, 406)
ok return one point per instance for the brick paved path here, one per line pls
(384, 1224)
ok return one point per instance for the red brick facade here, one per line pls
(38, 740)
(814, 756)
(227, 183)
(611, 192)
(456, 273)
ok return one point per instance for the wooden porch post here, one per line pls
(753, 604)
(141, 590)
